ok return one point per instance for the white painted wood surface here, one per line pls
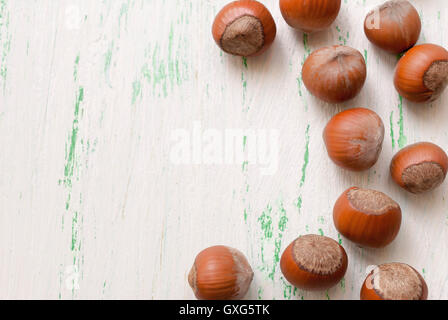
(92, 206)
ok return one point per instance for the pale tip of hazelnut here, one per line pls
(436, 78)
(243, 37)
(423, 177)
(317, 254)
(371, 201)
(397, 281)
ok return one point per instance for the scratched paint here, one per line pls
(245, 67)
(402, 139)
(69, 168)
(343, 36)
(391, 132)
(164, 68)
(75, 146)
(273, 223)
(283, 220)
(306, 156)
(267, 230)
(307, 52)
(306, 159)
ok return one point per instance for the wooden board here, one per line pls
(96, 98)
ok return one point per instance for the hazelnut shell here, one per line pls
(334, 74)
(310, 16)
(419, 167)
(394, 281)
(244, 28)
(394, 26)
(421, 75)
(367, 217)
(354, 138)
(220, 273)
(298, 258)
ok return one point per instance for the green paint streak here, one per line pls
(365, 55)
(260, 293)
(266, 222)
(343, 39)
(123, 13)
(108, 58)
(244, 166)
(339, 238)
(342, 284)
(74, 146)
(287, 289)
(306, 46)
(392, 135)
(74, 231)
(165, 71)
(299, 203)
(171, 61)
(136, 90)
(321, 232)
(70, 163)
(306, 155)
(75, 71)
(402, 140)
(245, 62)
(283, 220)
(299, 86)
(168, 67)
(267, 227)
(244, 82)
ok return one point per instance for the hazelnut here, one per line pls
(334, 74)
(220, 273)
(313, 262)
(394, 26)
(244, 28)
(419, 167)
(354, 138)
(367, 217)
(394, 281)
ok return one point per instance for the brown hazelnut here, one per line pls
(354, 138)
(244, 28)
(334, 74)
(419, 167)
(421, 74)
(313, 262)
(367, 217)
(394, 281)
(220, 273)
(394, 26)
(310, 16)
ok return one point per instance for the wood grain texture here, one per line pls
(92, 206)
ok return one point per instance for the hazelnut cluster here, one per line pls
(353, 140)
